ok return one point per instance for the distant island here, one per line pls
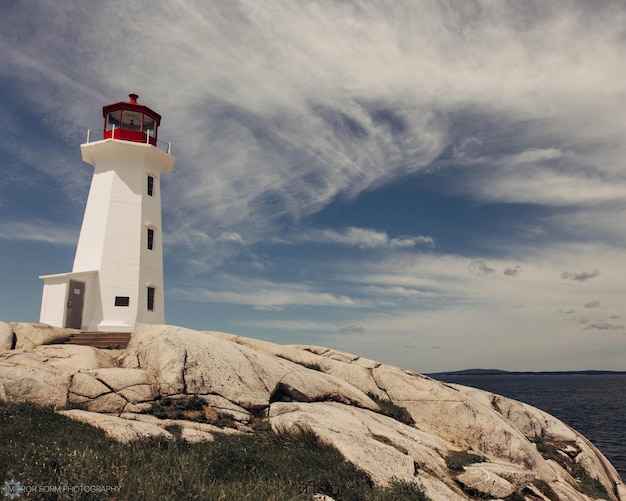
(498, 372)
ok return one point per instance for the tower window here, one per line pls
(122, 301)
(150, 239)
(150, 185)
(150, 298)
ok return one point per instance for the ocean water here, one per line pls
(594, 405)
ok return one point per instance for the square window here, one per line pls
(150, 298)
(150, 185)
(122, 301)
(150, 239)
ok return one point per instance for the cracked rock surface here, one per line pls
(390, 422)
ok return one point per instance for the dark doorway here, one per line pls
(75, 302)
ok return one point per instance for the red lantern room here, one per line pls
(131, 121)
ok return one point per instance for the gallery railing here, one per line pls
(134, 136)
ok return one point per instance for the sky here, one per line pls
(437, 185)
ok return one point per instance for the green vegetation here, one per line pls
(191, 409)
(457, 460)
(388, 408)
(546, 490)
(556, 450)
(588, 484)
(41, 448)
(549, 449)
(177, 408)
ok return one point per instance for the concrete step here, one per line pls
(102, 340)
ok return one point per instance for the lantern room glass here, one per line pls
(131, 120)
(113, 120)
(149, 124)
(131, 124)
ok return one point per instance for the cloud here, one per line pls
(480, 268)
(39, 231)
(593, 223)
(513, 272)
(263, 294)
(280, 109)
(532, 156)
(230, 237)
(290, 325)
(364, 238)
(580, 277)
(592, 304)
(604, 325)
(354, 328)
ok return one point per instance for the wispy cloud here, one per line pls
(592, 304)
(281, 108)
(513, 272)
(582, 276)
(263, 294)
(39, 231)
(480, 268)
(604, 325)
(355, 328)
(364, 238)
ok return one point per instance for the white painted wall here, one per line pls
(53, 300)
(55, 297)
(151, 272)
(113, 236)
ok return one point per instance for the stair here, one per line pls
(101, 340)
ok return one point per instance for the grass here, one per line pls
(586, 483)
(41, 448)
(392, 410)
(546, 490)
(191, 409)
(457, 460)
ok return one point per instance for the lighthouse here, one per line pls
(117, 276)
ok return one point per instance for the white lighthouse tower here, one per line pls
(117, 277)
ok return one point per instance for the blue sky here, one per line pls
(437, 185)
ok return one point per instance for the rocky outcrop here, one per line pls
(112, 390)
(42, 375)
(381, 445)
(32, 335)
(455, 442)
(6, 336)
(200, 363)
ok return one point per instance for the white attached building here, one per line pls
(117, 277)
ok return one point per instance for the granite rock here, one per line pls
(6, 337)
(31, 335)
(361, 407)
